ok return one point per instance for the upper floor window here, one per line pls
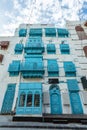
(1, 57)
(52, 67)
(14, 68)
(64, 48)
(62, 32)
(80, 32)
(50, 32)
(22, 100)
(85, 50)
(18, 48)
(35, 32)
(51, 49)
(22, 32)
(69, 68)
(4, 44)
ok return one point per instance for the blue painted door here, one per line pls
(56, 103)
(76, 103)
(8, 99)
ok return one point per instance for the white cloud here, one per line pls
(42, 11)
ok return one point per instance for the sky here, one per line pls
(15, 12)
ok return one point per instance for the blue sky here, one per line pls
(15, 12)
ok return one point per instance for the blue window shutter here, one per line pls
(50, 32)
(14, 68)
(62, 32)
(76, 103)
(35, 32)
(52, 67)
(64, 48)
(8, 99)
(22, 32)
(72, 85)
(18, 48)
(70, 70)
(51, 49)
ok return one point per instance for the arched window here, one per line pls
(22, 99)
(80, 32)
(29, 99)
(85, 50)
(79, 28)
(36, 99)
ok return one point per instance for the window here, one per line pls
(52, 67)
(29, 100)
(64, 48)
(18, 48)
(1, 57)
(62, 32)
(85, 50)
(32, 68)
(22, 100)
(22, 32)
(34, 45)
(35, 32)
(85, 24)
(50, 32)
(80, 32)
(79, 28)
(14, 67)
(84, 82)
(75, 101)
(37, 100)
(53, 81)
(72, 85)
(51, 49)
(4, 44)
(70, 70)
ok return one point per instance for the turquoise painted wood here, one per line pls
(70, 69)
(35, 32)
(52, 68)
(50, 32)
(62, 32)
(76, 103)
(14, 67)
(64, 48)
(32, 68)
(34, 45)
(22, 32)
(51, 48)
(8, 99)
(55, 100)
(29, 99)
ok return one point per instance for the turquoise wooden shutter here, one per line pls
(8, 99)
(76, 103)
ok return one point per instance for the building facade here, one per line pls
(43, 70)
